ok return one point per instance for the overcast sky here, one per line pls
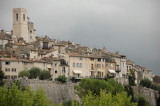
(131, 27)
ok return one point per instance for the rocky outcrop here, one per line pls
(150, 94)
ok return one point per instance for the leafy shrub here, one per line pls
(146, 83)
(71, 103)
(140, 100)
(73, 79)
(44, 75)
(34, 72)
(94, 85)
(61, 78)
(129, 90)
(23, 74)
(17, 97)
(107, 99)
(1, 77)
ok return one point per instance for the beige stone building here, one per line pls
(78, 66)
(97, 66)
(22, 28)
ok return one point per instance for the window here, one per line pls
(55, 71)
(73, 64)
(7, 70)
(30, 31)
(77, 64)
(92, 67)
(23, 17)
(98, 66)
(14, 77)
(63, 70)
(99, 59)
(7, 63)
(17, 17)
(92, 59)
(13, 69)
(13, 51)
(123, 64)
(55, 64)
(25, 63)
(80, 65)
(7, 77)
(80, 58)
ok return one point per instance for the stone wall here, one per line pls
(56, 91)
(150, 94)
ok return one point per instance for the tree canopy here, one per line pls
(94, 85)
(24, 74)
(1, 77)
(34, 72)
(44, 75)
(17, 97)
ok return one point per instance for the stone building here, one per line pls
(22, 28)
(79, 66)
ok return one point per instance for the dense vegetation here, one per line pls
(44, 75)
(96, 85)
(24, 74)
(1, 77)
(61, 79)
(147, 83)
(35, 73)
(17, 97)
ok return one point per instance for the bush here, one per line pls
(131, 80)
(140, 100)
(146, 83)
(34, 72)
(129, 90)
(73, 79)
(44, 75)
(1, 77)
(17, 97)
(94, 85)
(23, 74)
(61, 78)
(107, 99)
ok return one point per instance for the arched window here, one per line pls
(17, 17)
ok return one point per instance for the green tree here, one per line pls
(44, 75)
(95, 85)
(129, 90)
(107, 99)
(1, 77)
(61, 78)
(17, 97)
(141, 101)
(34, 72)
(24, 74)
(131, 78)
(146, 83)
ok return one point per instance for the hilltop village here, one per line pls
(21, 50)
